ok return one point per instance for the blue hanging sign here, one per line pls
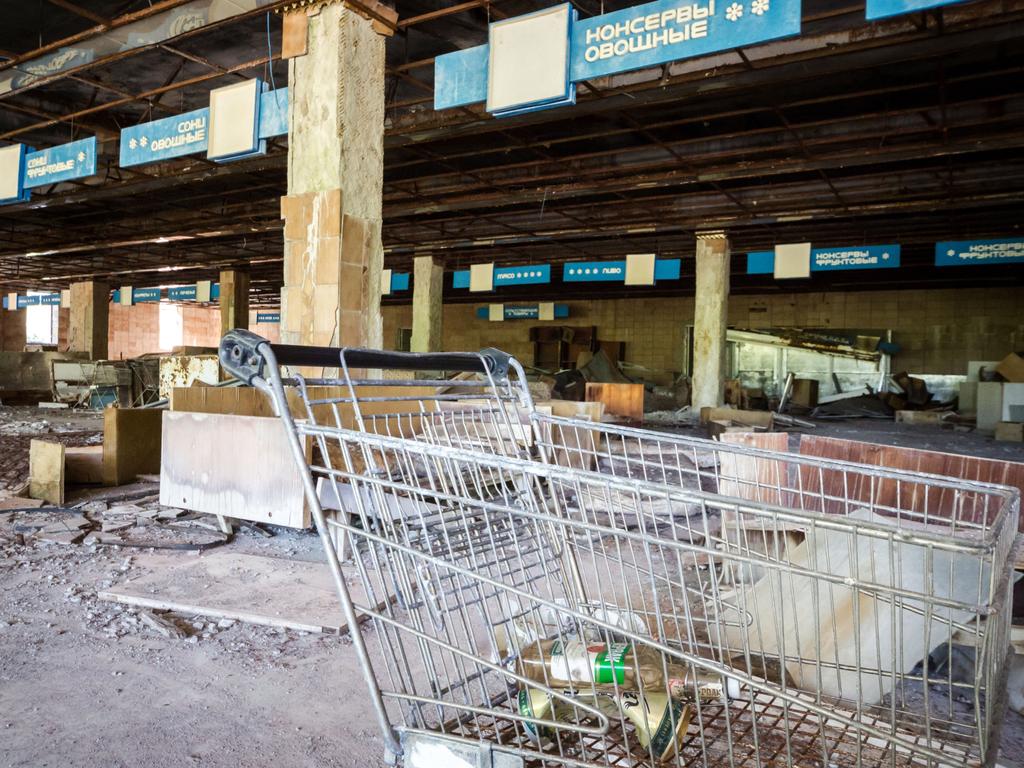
(883, 9)
(828, 259)
(461, 77)
(761, 263)
(530, 274)
(182, 293)
(170, 137)
(45, 299)
(268, 317)
(526, 312)
(958, 253)
(615, 271)
(274, 113)
(399, 281)
(67, 161)
(633, 38)
(668, 30)
(856, 257)
(141, 295)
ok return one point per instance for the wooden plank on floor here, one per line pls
(271, 591)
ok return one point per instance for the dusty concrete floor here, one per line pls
(86, 683)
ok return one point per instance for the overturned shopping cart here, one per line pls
(561, 592)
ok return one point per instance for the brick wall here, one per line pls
(938, 330)
(200, 325)
(269, 331)
(133, 331)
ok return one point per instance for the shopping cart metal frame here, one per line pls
(258, 362)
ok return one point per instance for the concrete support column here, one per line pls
(90, 308)
(13, 333)
(234, 300)
(427, 307)
(333, 253)
(710, 317)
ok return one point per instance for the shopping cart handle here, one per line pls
(242, 353)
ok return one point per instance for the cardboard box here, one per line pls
(1010, 431)
(1011, 368)
(805, 392)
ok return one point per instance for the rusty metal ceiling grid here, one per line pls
(905, 131)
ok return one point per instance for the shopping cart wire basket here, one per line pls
(551, 591)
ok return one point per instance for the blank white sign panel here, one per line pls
(10, 169)
(233, 119)
(528, 59)
(792, 260)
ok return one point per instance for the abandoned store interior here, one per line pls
(511, 384)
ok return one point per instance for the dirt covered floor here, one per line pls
(85, 682)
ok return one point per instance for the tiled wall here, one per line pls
(652, 329)
(938, 330)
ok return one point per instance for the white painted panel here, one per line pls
(496, 313)
(481, 277)
(385, 282)
(640, 269)
(1013, 397)
(528, 59)
(546, 310)
(235, 466)
(233, 114)
(10, 170)
(990, 404)
(792, 260)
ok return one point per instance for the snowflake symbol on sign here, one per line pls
(81, 157)
(759, 7)
(143, 141)
(133, 143)
(733, 12)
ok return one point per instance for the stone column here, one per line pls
(234, 300)
(90, 309)
(333, 253)
(710, 316)
(427, 307)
